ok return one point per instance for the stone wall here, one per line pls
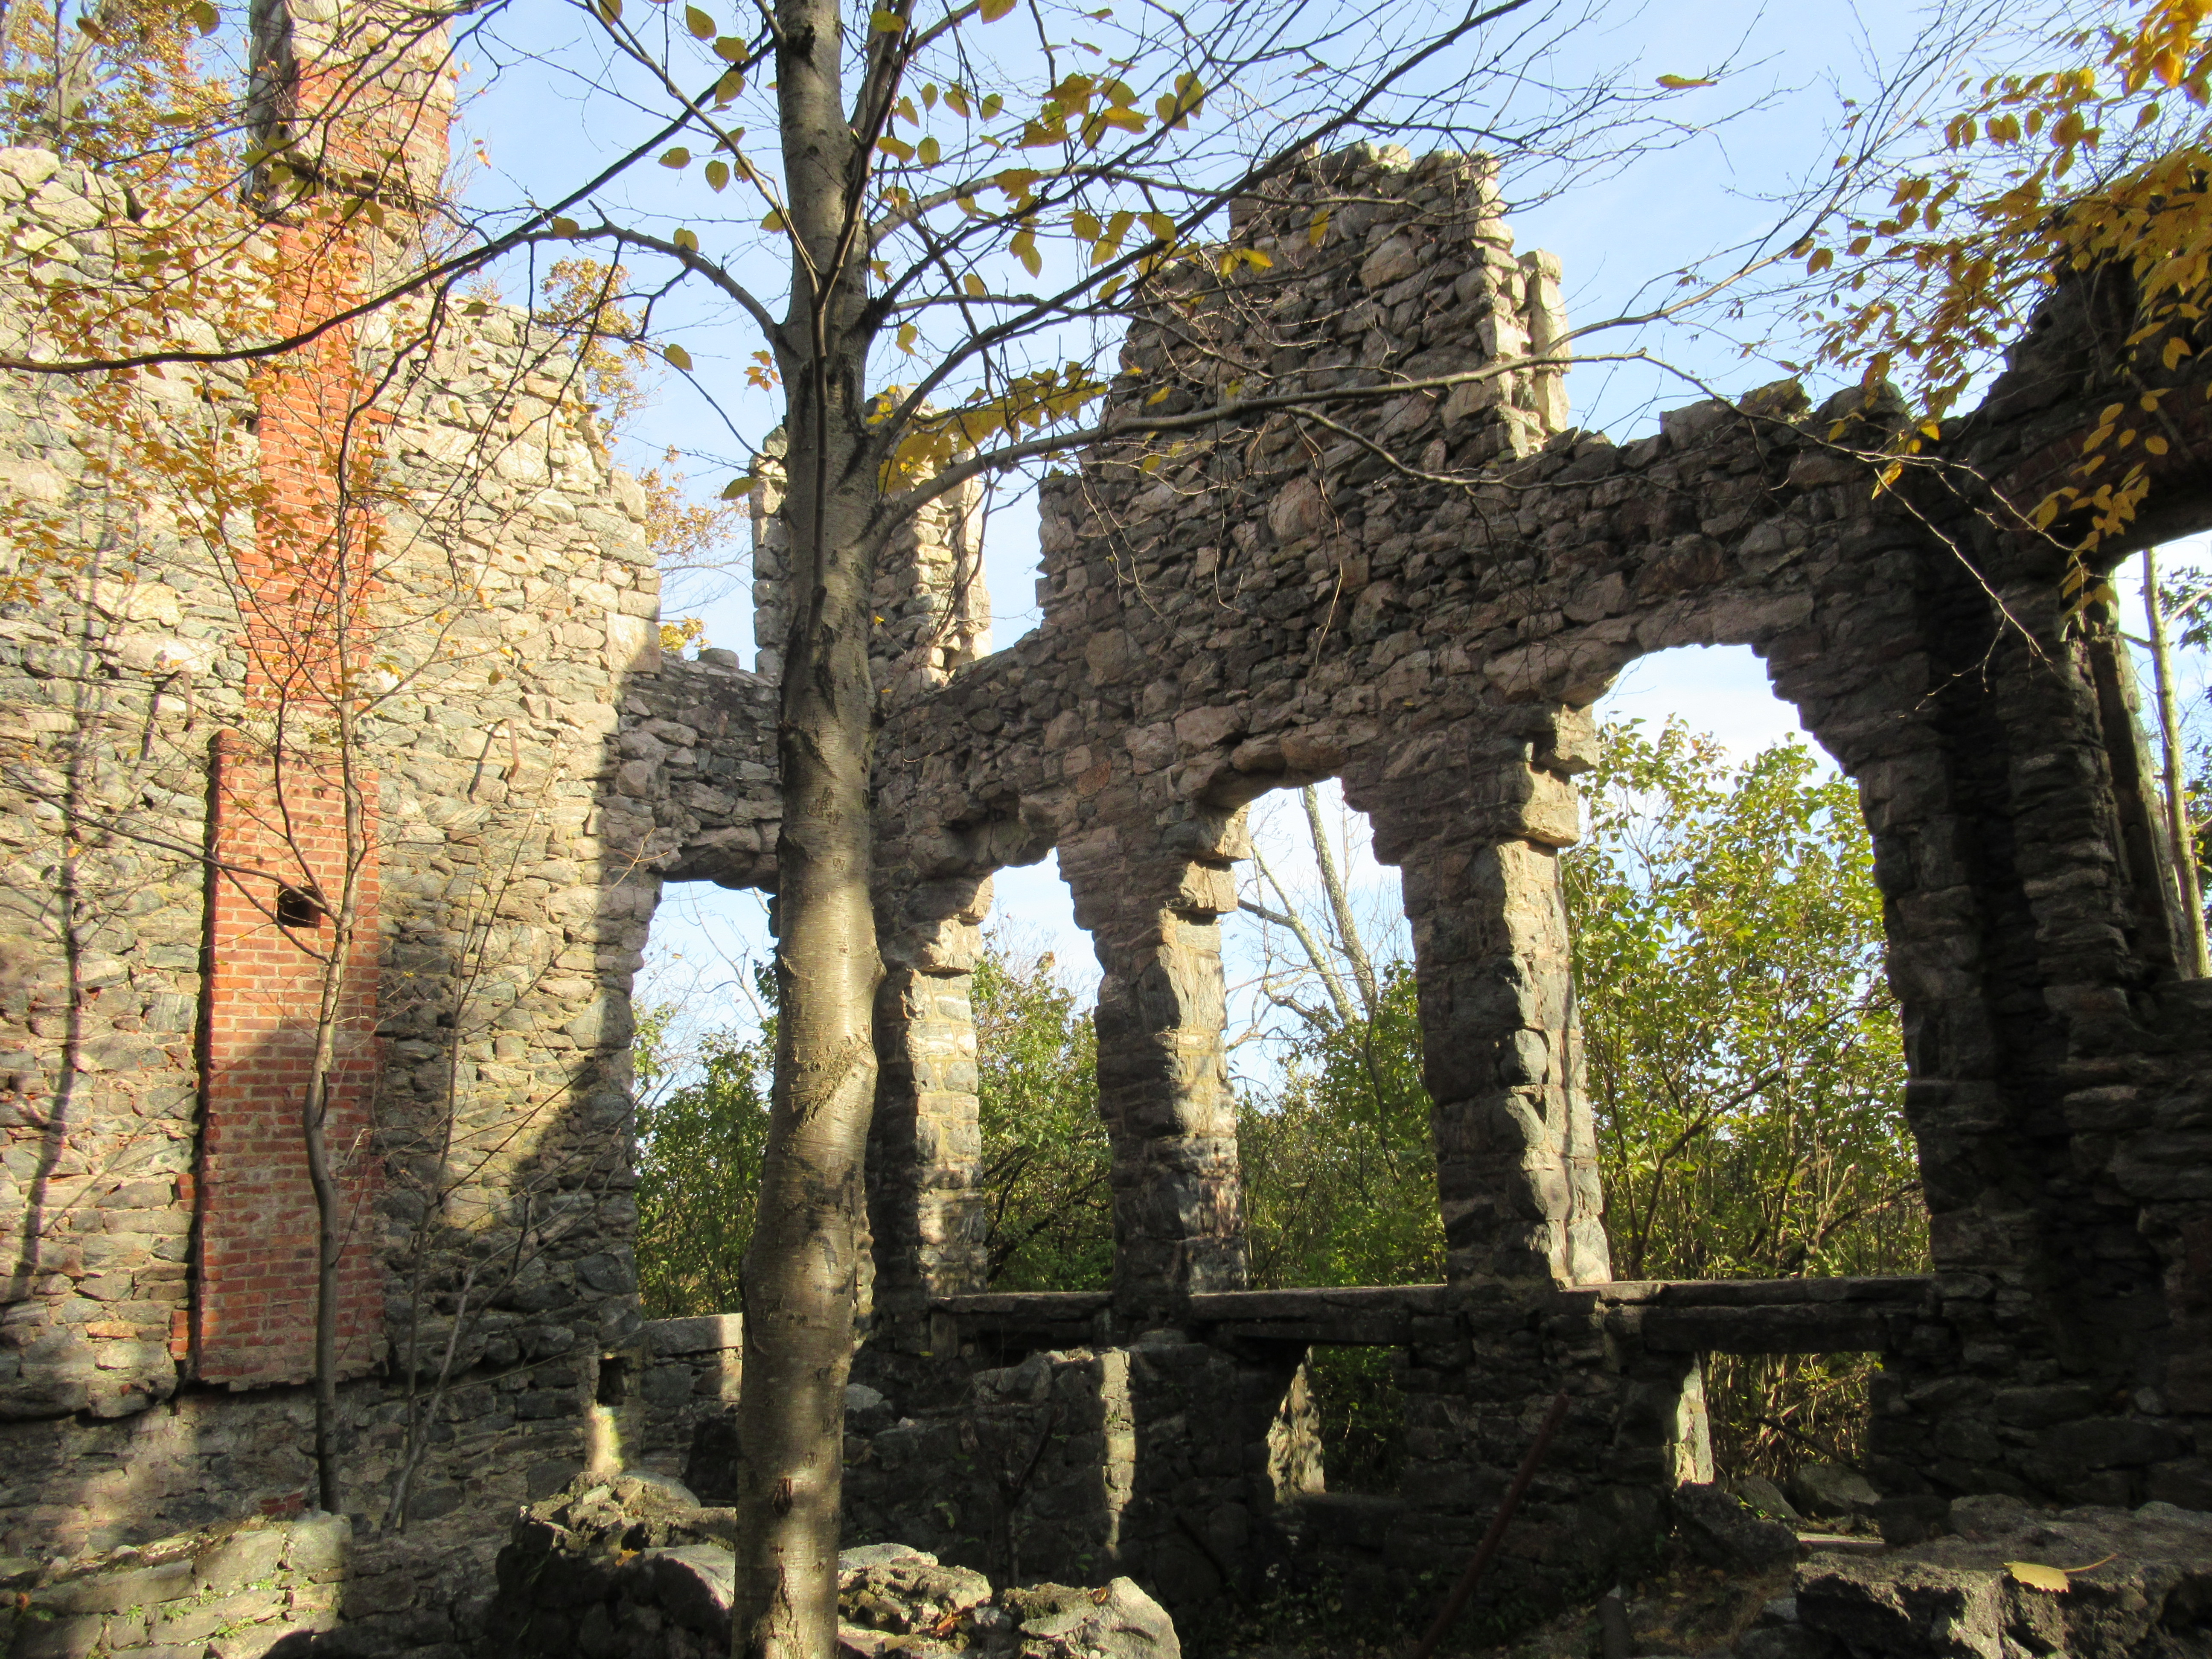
(1422, 598)
(523, 803)
(235, 1591)
(1423, 601)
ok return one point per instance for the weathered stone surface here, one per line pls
(1722, 1531)
(2149, 1592)
(1116, 1621)
(583, 1578)
(1829, 1492)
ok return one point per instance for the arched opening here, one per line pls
(1335, 1152)
(1741, 1050)
(1339, 1168)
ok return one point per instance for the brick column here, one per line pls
(1517, 1155)
(268, 941)
(1164, 1071)
(925, 1150)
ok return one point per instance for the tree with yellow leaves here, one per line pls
(2101, 162)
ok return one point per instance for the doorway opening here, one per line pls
(701, 1063)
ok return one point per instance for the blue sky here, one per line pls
(1619, 234)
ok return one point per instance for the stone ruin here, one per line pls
(1422, 600)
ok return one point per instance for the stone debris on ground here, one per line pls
(623, 1567)
(2146, 1593)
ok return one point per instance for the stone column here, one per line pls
(1516, 1151)
(1164, 1071)
(924, 1149)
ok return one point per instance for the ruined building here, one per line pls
(1287, 605)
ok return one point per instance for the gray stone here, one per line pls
(1119, 1621)
(1722, 1531)
(693, 1583)
(1831, 1492)
(1955, 1597)
(1764, 1496)
(877, 1555)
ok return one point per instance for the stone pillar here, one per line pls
(924, 1149)
(1164, 1071)
(1516, 1156)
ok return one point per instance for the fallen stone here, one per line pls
(877, 1555)
(1766, 1497)
(1115, 1621)
(620, 1567)
(2142, 1590)
(1721, 1530)
(1830, 1492)
(694, 1584)
(909, 1596)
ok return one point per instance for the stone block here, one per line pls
(241, 1558)
(113, 1592)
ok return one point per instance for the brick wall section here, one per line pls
(255, 1306)
(309, 586)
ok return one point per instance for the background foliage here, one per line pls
(1745, 1061)
(1744, 1064)
(701, 1129)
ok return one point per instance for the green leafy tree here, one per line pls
(702, 1132)
(1744, 1055)
(1339, 1165)
(1340, 1188)
(1045, 1153)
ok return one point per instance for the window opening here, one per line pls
(1359, 1413)
(1742, 1054)
(1333, 1142)
(614, 1380)
(296, 908)
(1047, 1199)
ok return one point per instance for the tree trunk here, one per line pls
(802, 1269)
(2179, 831)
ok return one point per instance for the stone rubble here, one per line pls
(616, 1567)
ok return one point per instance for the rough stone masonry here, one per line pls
(1422, 597)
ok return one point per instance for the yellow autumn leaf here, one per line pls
(974, 284)
(956, 100)
(700, 25)
(678, 357)
(886, 22)
(2155, 444)
(929, 152)
(677, 157)
(774, 220)
(993, 10)
(565, 227)
(1317, 230)
(1684, 82)
(686, 239)
(1085, 225)
(908, 335)
(2036, 1576)
(718, 175)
